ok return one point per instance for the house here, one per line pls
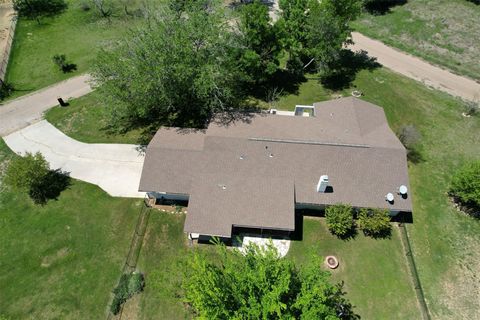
(254, 174)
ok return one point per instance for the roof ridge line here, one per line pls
(298, 141)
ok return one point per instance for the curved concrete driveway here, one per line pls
(116, 168)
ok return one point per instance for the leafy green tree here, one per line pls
(23, 172)
(260, 46)
(315, 32)
(259, 285)
(293, 27)
(328, 30)
(31, 174)
(177, 70)
(339, 219)
(374, 222)
(35, 9)
(465, 185)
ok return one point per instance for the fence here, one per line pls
(413, 271)
(135, 248)
(8, 48)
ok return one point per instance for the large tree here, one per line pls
(259, 285)
(315, 31)
(35, 9)
(260, 46)
(177, 70)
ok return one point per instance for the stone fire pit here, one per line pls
(331, 262)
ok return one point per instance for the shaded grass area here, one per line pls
(85, 120)
(61, 260)
(77, 33)
(374, 270)
(443, 32)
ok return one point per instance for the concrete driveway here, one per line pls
(116, 168)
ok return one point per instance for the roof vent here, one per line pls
(389, 197)
(403, 190)
(270, 155)
(322, 184)
(242, 157)
(222, 186)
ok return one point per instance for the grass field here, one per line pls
(77, 33)
(446, 243)
(61, 260)
(374, 271)
(85, 120)
(444, 32)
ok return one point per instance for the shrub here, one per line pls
(472, 108)
(23, 172)
(61, 61)
(339, 219)
(374, 222)
(6, 90)
(31, 174)
(410, 137)
(128, 285)
(465, 185)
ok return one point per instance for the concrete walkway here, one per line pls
(21, 112)
(116, 168)
(417, 69)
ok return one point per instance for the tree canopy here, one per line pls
(260, 45)
(31, 174)
(177, 70)
(315, 31)
(259, 285)
(35, 9)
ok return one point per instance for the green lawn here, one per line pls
(444, 32)
(374, 271)
(163, 259)
(77, 33)
(85, 120)
(445, 242)
(61, 260)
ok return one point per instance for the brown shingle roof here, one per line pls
(283, 157)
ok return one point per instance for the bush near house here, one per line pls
(128, 285)
(339, 219)
(465, 187)
(374, 222)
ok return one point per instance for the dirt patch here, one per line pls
(6, 15)
(49, 260)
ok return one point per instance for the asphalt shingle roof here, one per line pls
(252, 173)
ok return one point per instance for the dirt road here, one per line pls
(417, 69)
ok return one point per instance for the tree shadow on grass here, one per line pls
(346, 69)
(350, 235)
(383, 234)
(381, 7)
(50, 186)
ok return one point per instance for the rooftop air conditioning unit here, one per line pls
(322, 184)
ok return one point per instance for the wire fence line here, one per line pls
(413, 271)
(131, 259)
(8, 48)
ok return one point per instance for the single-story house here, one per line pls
(254, 174)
